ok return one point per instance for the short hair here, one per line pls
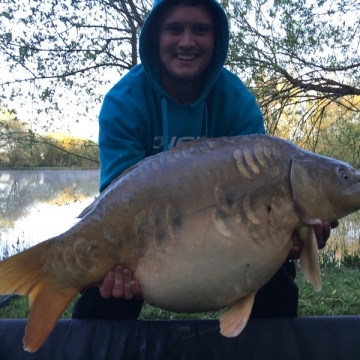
(167, 4)
(206, 3)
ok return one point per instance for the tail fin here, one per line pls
(26, 274)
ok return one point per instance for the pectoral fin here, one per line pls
(309, 262)
(234, 319)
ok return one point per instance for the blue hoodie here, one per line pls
(138, 118)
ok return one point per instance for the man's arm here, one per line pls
(121, 146)
(248, 119)
(121, 143)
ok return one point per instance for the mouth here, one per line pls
(185, 57)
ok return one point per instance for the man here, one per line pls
(179, 92)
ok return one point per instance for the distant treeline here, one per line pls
(21, 147)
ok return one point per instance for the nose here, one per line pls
(187, 39)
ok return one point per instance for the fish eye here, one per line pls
(343, 174)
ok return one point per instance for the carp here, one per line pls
(202, 227)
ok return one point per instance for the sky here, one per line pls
(68, 122)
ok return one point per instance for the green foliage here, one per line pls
(61, 150)
(18, 308)
(339, 135)
(340, 294)
(298, 57)
(21, 147)
(351, 261)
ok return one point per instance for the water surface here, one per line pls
(38, 204)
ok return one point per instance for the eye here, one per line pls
(202, 29)
(343, 174)
(173, 29)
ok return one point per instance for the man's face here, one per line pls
(186, 42)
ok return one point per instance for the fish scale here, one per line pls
(202, 227)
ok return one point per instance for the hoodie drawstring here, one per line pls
(165, 124)
(206, 120)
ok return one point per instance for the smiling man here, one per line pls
(186, 46)
(180, 92)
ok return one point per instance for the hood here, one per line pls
(150, 57)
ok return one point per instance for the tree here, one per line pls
(14, 142)
(340, 135)
(19, 146)
(64, 150)
(298, 57)
(56, 46)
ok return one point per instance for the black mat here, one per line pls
(288, 338)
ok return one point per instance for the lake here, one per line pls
(38, 204)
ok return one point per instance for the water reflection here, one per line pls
(344, 240)
(38, 204)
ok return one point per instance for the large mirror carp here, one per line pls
(202, 227)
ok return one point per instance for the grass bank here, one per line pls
(340, 294)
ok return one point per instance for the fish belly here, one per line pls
(207, 271)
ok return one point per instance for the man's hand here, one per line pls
(120, 284)
(322, 233)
